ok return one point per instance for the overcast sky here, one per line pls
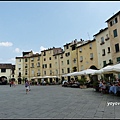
(36, 26)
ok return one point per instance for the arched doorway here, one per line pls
(93, 67)
(3, 80)
(93, 78)
(19, 80)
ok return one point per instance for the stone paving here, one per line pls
(56, 102)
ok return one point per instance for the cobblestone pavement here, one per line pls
(56, 102)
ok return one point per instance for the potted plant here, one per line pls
(82, 82)
(96, 85)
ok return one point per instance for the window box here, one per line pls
(107, 39)
(102, 43)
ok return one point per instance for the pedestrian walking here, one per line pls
(10, 83)
(27, 86)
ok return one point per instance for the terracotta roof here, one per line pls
(113, 16)
(100, 31)
(7, 66)
(87, 42)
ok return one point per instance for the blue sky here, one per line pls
(35, 26)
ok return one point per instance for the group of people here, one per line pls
(12, 83)
(27, 85)
(113, 87)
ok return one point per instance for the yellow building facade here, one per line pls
(75, 56)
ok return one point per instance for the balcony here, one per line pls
(81, 60)
(108, 52)
(38, 74)
(107, 38)
(102, 43)
(91, 58)
(103, 54)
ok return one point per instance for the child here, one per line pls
(27, 86)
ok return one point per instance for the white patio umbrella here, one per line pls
(85, 72)
(116, 68)
(98, 72)
(69, 74)
(106, 70)
(50, 77)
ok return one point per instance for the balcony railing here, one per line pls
(102, 43)
(107, 38)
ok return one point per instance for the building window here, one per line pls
(19, 60)
(67, 47)
(56, 71)
(25, 71)
(3, 70)
(19, 74)
(74, 60)
(32, 72)
(108, 49)
(62, 70)
(67, 54)
(26, 60)
(44, 72)
(55, 57)
(91, 55)
(110, 23)
(32, 65)
(44, 53)
(80, 49)
(117, 47)
(103, 52)
(81, 58)
(90, 45)
(38, 64)
(104, 63)
(115, 33)
(82, 67)
(32, 59)
(62, 62)
(44, 59)
(113, 22)
(50, 65)
(61, 56)
(73, 47)
(116, 20)
(102, 39)
(38, 72)
(50, 72)
(45, 65)
(68, 70)
(38, 58)
(67, 62)
(49, 58)
(118, 59)
(26, 66)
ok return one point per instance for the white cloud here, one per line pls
(42, 48)
(17, 50)
(6, 44)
